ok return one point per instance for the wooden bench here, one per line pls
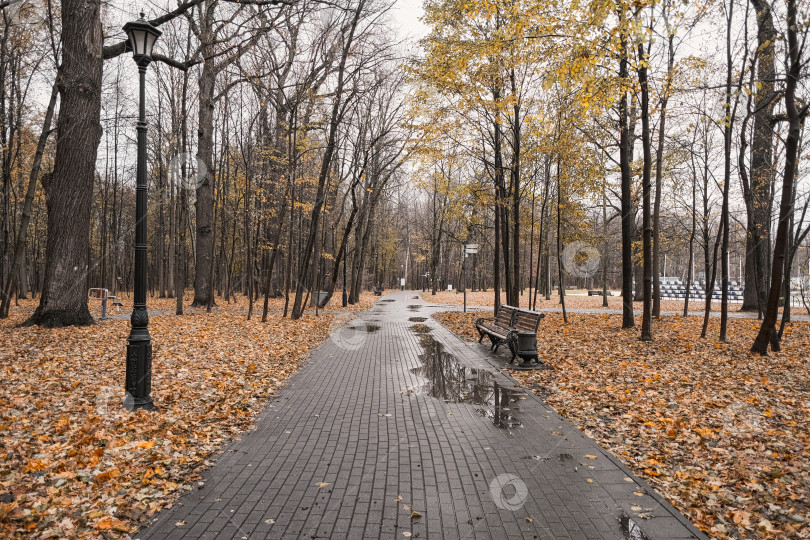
(104, 295)
(517, 327)
(496, 329)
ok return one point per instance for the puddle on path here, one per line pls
(388, 300)
(414, 298)
(417, 319)
(420, 329)
(367, 328)
(536, 458)
(414, 307)
(452, 382)
(631, 530)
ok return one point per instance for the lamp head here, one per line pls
(141, 38)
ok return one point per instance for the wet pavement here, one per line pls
(396, 428)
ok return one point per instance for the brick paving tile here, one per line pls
(376, 438)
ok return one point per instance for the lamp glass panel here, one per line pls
(131, 35)
(150, 42)
(139, 41)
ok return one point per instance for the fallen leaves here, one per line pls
(74, 463)
(722, 434)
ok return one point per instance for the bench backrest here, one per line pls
(98, 293)
(527, 321)
(504, 316)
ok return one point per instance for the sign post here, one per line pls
(469, 249)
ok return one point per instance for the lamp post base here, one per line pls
(139, 375)
(131, 403)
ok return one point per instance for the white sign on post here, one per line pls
(402, 282)
(471, 248)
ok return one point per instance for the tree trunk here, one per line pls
(304, 281)
(559, 243)
(69, 192)
(757, 197)
(646, 320)
(514, 299)
(659, 166)
(626, 188)
(724, 217)
(691, 267)
(767, 331)
(205, 154)
(28, 204)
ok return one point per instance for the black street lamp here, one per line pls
(142, 37)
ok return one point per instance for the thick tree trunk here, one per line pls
(758, 196)
(204, 259)
(646, 319)
(767, 331)
(69, 192)
(514, 298)
(628, 217)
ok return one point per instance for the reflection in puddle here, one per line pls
(453, 382)
(414, 307)
(417, 319)
(388, 300)
(631, 530)
(565, 457)
(420, 329)
(367, 328)
(536, 458)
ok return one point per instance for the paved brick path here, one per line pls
(356, 446)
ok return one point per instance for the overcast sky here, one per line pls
(406, 13)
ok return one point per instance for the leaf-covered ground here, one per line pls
(722, 434)
(238, 304)
(74, 463)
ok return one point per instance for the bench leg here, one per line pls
(480, 336)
